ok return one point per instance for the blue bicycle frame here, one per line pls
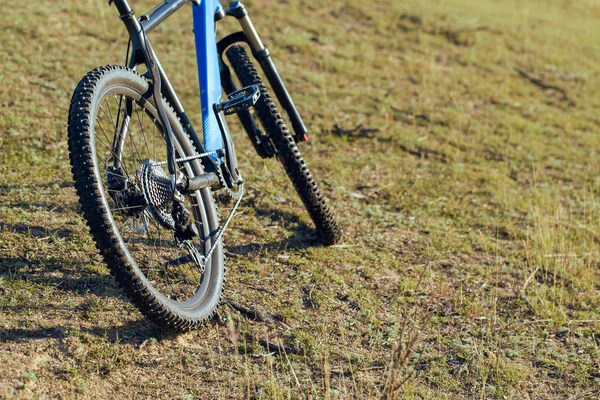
(216, 136)
(209, 76)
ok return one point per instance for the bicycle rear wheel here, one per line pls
(125, 200)
(287, 150)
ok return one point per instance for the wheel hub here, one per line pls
(125, 193)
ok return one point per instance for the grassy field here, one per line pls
(457, 142)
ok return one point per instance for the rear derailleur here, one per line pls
(155, 197)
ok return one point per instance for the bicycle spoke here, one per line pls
(109, 148)
(143, 136)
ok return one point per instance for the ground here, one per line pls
(457, 144)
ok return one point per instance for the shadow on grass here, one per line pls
(59, 274)
(28, 205)
(60, 184)
(134, 333)
(50, 207)
(304, 236)
(74, 280)
(36, 231)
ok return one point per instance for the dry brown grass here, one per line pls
(488, 176)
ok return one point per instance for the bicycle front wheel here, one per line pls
(114, 136)
(287, 149)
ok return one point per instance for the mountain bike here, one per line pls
(147, 182)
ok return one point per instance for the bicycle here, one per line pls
(159, 231)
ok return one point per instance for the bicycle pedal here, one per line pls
(240, 100)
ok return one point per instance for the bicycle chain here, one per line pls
(234, 195)
(222, 230)
(231, 193)
(189, 158)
